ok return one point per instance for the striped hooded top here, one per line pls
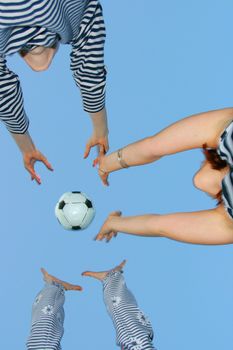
(25, 24)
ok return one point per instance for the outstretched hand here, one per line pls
(107, 231)
(30, 158)
(102, 144)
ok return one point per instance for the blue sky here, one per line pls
(166, 60)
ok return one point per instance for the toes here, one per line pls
(122, 264)
(88, 274)
(44, 272)
(77, 288)
(98, 275)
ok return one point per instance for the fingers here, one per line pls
(105, 235)
(102, 151)
(87, 150)
(34, 176)
(95, 162)
(46, 162)
(100, 236)
(106, 146)
(104, 177)
(30, 159)
(110, 236)
(107, 231)
(115, 213)
(103, 147)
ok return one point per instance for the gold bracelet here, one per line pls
(120, 160)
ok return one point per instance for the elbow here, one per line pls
(154, 226)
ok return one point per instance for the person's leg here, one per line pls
(133, 328)
(48, 314)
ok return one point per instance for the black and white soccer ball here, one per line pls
(74, 210)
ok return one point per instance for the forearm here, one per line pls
(200, 227)
(188, 133)
(144, 225)
(100, 122)
(135, 154)
(24, 142)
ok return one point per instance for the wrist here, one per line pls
(24, 142)
(99, 121)
(100, 132)
(109, 163)
(121, 159)
(114, 223)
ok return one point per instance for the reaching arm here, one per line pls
(211, 227)
(13, 115)
(11, 101)
(87, 64)
(191, 132)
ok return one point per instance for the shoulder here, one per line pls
(225, 218)
(227, 130)
(225, 145)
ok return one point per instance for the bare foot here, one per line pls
(101, 275)
(66, 285)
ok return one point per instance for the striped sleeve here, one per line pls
(87, 59)
(133, 328)
(47, 318)
(225, 151)
(11, 101)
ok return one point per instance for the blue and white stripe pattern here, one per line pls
(47, 319)
(225, 151)
(87, 60)
(133, 328)
(31, 23)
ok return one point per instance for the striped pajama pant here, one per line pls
(133, 329)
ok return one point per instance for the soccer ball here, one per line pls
(74, 210)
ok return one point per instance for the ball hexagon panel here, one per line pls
(75, 212)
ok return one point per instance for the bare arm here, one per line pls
(188, 133)
(203, 227)
(24, 142)
(99, 137)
